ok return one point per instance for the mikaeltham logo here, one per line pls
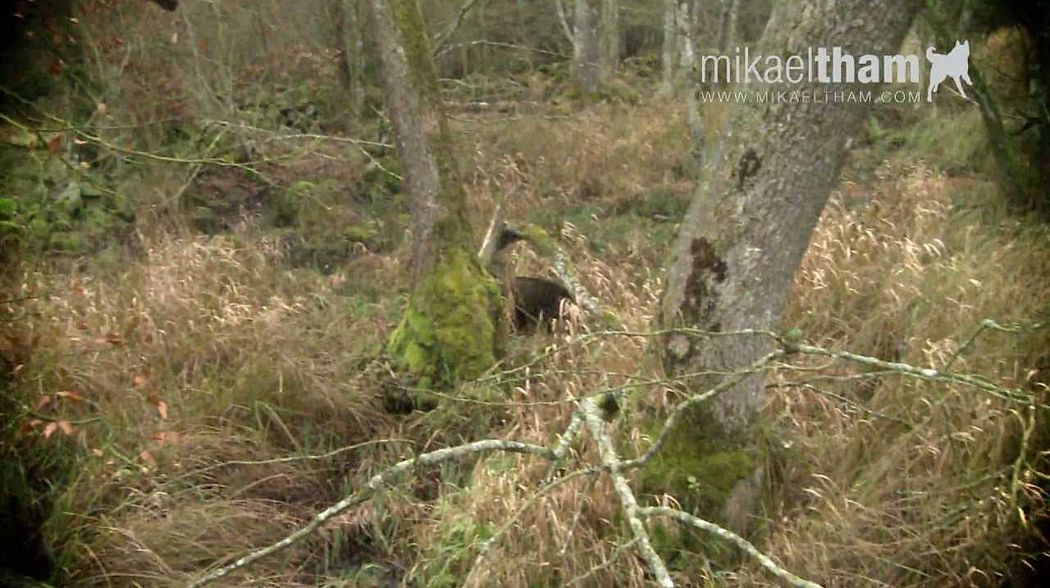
(831, 66)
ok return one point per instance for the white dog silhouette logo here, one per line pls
(954, 64)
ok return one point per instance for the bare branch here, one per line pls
(565, 27)
(679, 411)
(610, 459)
(1014, 396)
(740, 542)
(374, 486)
(443, 37)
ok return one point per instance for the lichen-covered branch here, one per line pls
(679, 411)
(376, 484)
(611, 460)
(1014, 396)
(589, 414)
(727, 535)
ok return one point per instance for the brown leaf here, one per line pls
(49, 429)
(139, 380)
(54, 145)
(147, 457)
(71, 395)
(167, 438)
(43, 401)
(66, 426)
(162, 408)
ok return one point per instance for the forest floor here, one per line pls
(198, 387)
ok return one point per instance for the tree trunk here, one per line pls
(448, 333)
(692, 82)
(349, 34)
(610, 37)
(667, 54)
(586, 58)
(748, 227)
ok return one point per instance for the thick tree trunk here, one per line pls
(448, 332)
(748, 227)
(586, 56)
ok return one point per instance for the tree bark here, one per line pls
(610, 37)
(747, 229)
(694, 117)
(448, 333)
(586, 57)
(349, 34)
(670, 41)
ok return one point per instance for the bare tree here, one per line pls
(747, 229)
(687, 31)
(448, 332)
(727, 24)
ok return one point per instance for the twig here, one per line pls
(509, 46)
(842, 399)
(290, 458)
(486, 546)
(989, 325)
(1015, 396)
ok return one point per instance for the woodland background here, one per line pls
(203, 232)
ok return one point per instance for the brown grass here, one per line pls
(198, 373)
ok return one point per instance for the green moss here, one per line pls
(363, 233)
(700, 464)
(448, 332)
(543, 242)
(67, 242)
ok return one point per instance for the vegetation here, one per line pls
(206, 265)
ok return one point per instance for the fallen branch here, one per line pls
(611, 460)
(374, 486)
(589, 414)
(743, 544)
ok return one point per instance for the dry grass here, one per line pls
(194, 374)
(916, 489)
(203, 356)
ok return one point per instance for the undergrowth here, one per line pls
(203, 384)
